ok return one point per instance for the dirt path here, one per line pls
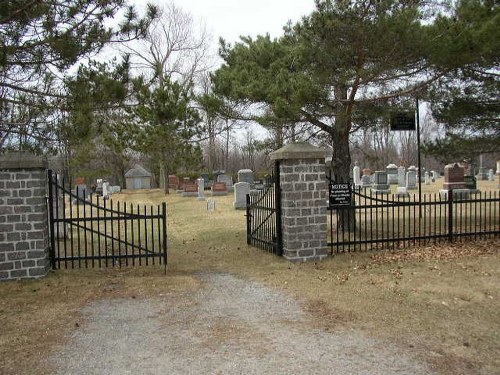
(230, 326)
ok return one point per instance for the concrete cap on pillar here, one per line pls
(299, 150)
(22, 160)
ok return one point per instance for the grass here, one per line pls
(441, 302)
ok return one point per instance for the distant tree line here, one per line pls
(332, 79)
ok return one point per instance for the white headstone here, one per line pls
(106, 190)
(241, 190)
(435, 175)
(491, 175)
(411, 180)
(392, 174)
(498, 166)
(210, 204)
(201, 189)
(427, 178)
(401, 176)
(356, 175)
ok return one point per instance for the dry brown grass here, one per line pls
(442, 302)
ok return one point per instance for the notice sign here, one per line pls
(340, 194)
(403, 121)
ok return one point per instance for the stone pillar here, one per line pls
(303, 201)
(24, 236)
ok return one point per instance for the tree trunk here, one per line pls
(341, 157)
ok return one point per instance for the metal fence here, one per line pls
(264, 216)
(371, 221)
(89, 231)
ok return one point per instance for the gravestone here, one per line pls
(470, 182)
(241, 190)
(454, 177)
(498, 167)
(401, 177)
(201, 188)
(491, 175)
(392, 174)
(380, 183)
(402, 192)
(210, 204)
(81, 192)
(411, 180)
(79, 181)
(427, 178)
(190, 189)
(219, 188)
(366, 181)
(173, 182)
(367, 172)
(106, 190)
(246, 175)
(435, 176)
(228, 180)
(483, 174)
(115, 189)
(356, 175)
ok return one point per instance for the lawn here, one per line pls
(442, 302)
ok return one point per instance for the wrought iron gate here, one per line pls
(87, 232)
(264, 216)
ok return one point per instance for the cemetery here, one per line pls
(321, 197)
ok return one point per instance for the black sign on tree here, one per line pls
(340, 194)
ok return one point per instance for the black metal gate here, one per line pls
(264, 216)
(90, 231)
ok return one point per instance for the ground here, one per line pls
(226, 308)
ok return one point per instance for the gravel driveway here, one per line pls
(229, 326)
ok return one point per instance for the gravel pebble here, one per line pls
(229, 326)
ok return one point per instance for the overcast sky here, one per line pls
(231, 18)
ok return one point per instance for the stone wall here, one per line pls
(23, 217)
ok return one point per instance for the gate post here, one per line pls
(303, 201)
(23, 216)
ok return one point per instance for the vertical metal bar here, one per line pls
(249, 219)
(112, 234)
(419, 161)
(92, 233)
(139, 234)
(51, 220)
(118, 219)
(85, 231)
(105, 215)
(152, 226)
(450, 215)
(72, 225)
(133, 233)
(99, 231)
(164, 221)
(146, 249)
(78, 226)
(126, 224)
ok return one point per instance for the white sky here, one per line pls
(231, 18)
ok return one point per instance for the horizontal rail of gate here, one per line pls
(88, 232)
(374, 222)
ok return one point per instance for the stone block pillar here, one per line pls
(24, 238)
(303, 201)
